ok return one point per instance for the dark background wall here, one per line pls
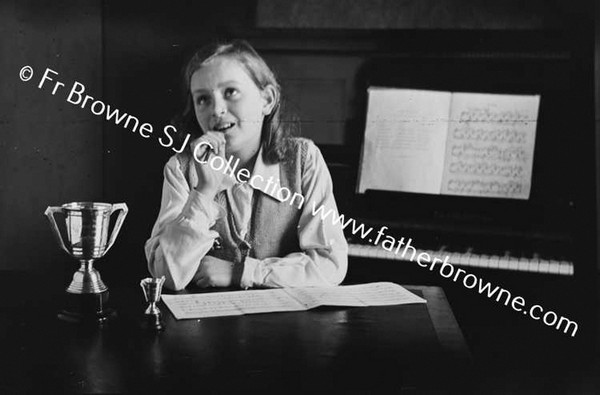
(50, 151)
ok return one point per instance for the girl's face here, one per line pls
(227, 100)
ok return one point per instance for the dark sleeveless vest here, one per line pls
(273, 225)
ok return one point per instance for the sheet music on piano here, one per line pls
(468, 144)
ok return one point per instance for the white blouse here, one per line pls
(182, 234)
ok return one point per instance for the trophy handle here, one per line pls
(50, 211)
(115, 232)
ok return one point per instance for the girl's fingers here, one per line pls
(217, 140)
(217, 137)
(201, 151)
(210, 142)
(222, 148)
(213, 142)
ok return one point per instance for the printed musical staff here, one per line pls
(490, 147)
(485, 188)
(500, 135)
(487, 169)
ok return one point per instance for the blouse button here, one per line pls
(245, 246)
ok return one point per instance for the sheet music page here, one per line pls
(490, 145)
(219, 304)
(373, 294)
(231, 303)
(405, 140)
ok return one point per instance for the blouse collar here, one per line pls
(259, 180)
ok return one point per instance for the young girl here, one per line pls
(218, 227)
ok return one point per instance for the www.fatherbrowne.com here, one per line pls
(448, 271)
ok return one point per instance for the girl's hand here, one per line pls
(214, 272)
(209, 179)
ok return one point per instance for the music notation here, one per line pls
(468, 144)
(495, 115)
(501, 135)
(483, 188)
(482, 168)
(489, 151)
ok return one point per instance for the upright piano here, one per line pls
(542, 247)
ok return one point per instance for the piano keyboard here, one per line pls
(506, 262)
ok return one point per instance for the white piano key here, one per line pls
(523, 264)
(544, 266)
(473, 260)
(463, 258)
(534, 265)
(513, 263)
(454, 258)
(367, 251)
(484, 261)
(503, 262)
(442, 254)
(553, 266)
(494, 262)
(565, 267)
(431, 253)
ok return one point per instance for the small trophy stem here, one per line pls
(152, 309)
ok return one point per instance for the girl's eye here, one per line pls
(231, 92)
(202, 100)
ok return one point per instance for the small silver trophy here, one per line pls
(152, 288)
(87, 238)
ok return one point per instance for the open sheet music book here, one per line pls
(468, 144)
(287, 299)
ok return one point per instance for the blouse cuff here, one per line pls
(198, 207)
(251, 273)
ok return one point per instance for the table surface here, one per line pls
(370, 349)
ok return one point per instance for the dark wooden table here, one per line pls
(377, 349)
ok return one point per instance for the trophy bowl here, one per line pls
(87, 238)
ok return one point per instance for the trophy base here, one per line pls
(87, 309)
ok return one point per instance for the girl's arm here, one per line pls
(181, 236)
(324, 257)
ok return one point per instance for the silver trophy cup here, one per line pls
(87, 238)
(152, 288)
